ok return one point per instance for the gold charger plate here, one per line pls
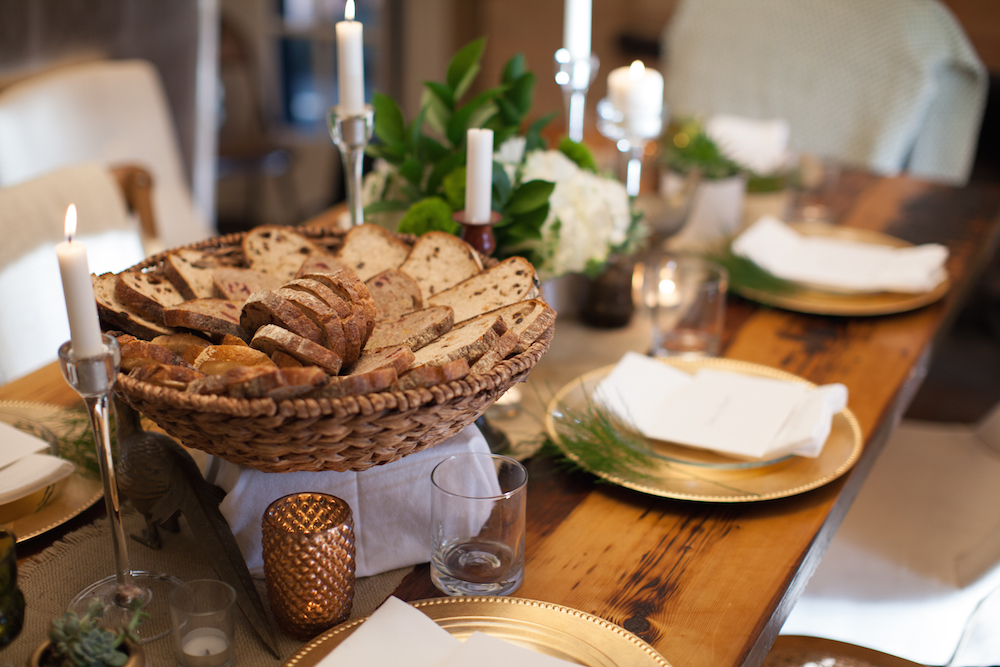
(71, 497)
(849, 304)
(554, 630)
(700, 480)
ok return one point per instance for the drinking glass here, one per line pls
(201, 612)
(478, 524)
(686, 296)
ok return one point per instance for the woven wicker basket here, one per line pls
(352, 433)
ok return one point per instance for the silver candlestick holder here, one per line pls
(630, 134)
(93, 378)
(574, 76)
(351, 133)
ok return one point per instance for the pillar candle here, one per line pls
(81, 307)
(576, 28)
(637, 92)
(478, 176)
(350, 62)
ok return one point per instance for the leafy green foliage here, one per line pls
(80, 641)
(430, 214)
(699, 152)
(579, 154)
(748, 274)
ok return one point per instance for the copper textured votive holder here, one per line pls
(309, 562)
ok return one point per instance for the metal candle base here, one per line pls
(351, 134)
(574, 76)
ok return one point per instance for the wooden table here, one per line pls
(710, 585)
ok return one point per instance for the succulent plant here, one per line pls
(80, 641)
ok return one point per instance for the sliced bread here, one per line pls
(528, 319)
(395, 294)
(147, 292)
(503, 347)
(467, 342)
(266, 307)
(115, 315)
(270, 339)
(508, 282)
(190, 271)
(320, 262)
(136, 353)
(428, 376)
(369, 250)
(217, 359)
(163, 375)
(218, 383)
(186, 345)
(348, 287)
(369, 382)
(397, 358)
(440, 260)
(219, 317)
(238, 284)
(414, 330)
(322, 315)
(351, 318)
(277, 251)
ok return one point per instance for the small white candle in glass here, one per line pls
(637, 92)
(81, 306)
(478, 176)
(350, 62)
(207, 647)
(577, 19)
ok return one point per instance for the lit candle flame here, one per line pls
(70, 226)
(636, 70)
(349, 10)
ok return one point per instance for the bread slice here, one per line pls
(368, 250)
(190, 271)
(147, 292)
(428, 376)
(397, 358)
(528, 319)
(173, 377)
(138, 353)
(351, 318)
(277, 251)
(467, 342)
(414, 330)
(369, 382)
(217, 359)
(271, 339)
(320, 262)
(508, 282)
(219, 317)
(266, 307)
(186, 345)
(233, 340)
(277, 383)
(346, 285)
(282, 360)
(322, 315)
(395, 294)
(503, 347)
(115, 315)
(440, 260)
(238, 284)
(219, 383)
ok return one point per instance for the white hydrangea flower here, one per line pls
(593, 213)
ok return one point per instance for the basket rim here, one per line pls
(346, 406)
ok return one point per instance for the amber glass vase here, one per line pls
(607, 300)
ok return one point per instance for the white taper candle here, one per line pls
(350, 62)
(478, 176)
(81, 307)
(577, 21)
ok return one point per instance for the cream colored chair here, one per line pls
(108, 111)
(33, 320)
(888, 85)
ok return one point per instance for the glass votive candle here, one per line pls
(201, 612)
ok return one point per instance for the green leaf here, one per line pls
(578, 153)
(501, 185)
(389, 125)
(442, 93)
(530, 196)
(514, 68)
(415, 131)
(464, 67)
(534, 219)
(454, 188)
(431, 214)
(412, 170)
(533, 137)
(460, 120)
(521, 92)
(442, 168)
(502, 134)
(438, 113)
(391, 154)
(509, 112)
(386, 207)
(431, 149)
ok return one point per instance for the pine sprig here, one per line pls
(747, 274)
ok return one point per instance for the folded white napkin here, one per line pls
(30, 473)
(16, 444)
(398, 634)
(838, 264)
(738, 415)
(759, 145)
(390, 503)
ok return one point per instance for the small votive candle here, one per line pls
(207, 647)
(202, 615)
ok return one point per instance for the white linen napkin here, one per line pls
(839, 264)
(738, 415)
(16, 444)
(30, 473)
(759, 145)
(390, 503)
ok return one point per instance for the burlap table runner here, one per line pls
(50, 581)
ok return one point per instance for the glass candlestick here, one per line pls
(574, 76)
(351, 134)
(630, 134)
(93, 378)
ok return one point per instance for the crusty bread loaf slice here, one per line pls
(467, 342)
(330, 325)
(217, 359)
(115, 315)
(233, 340)
(428, 376)
(440, 260)
(528, 319)
(351, 318)
(219, 317)
(173, 377)
(414, 330)
(397, 358)
(238, 284)
(508, 282)
(395, 294)
(278, 251)
(346, 285)
(271, 338)
(186, 345)
(369, 250)
(282, 360)
(136, 353)
(339, 386)
(218, 383)
(190, 271)
(266, 307)
(320, 262)
(147, 292)
(503, 347)
(277, 383)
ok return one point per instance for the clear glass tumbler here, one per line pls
(478, 524)
(686, 296)
(203, 621)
